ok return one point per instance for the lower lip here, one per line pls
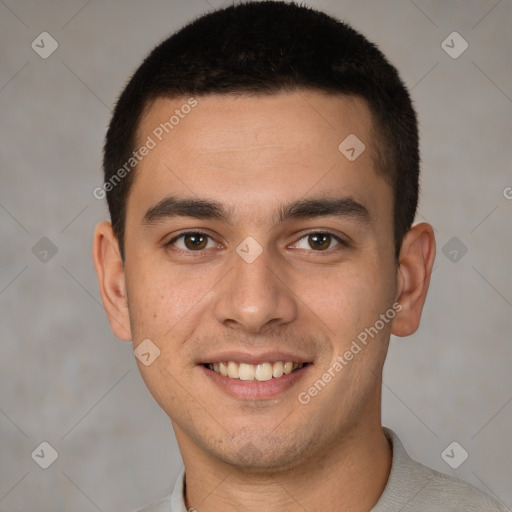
(255, 389)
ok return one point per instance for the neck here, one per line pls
(351, 474)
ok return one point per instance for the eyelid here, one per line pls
(341, 241)
(190, 232)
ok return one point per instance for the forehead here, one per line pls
(254, 149)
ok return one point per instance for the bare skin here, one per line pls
(306, 297)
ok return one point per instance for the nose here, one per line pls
(255, 296)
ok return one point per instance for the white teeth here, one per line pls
(277, 369)
(246, 371)
(250, 372)
(233, 370)
(263, 371)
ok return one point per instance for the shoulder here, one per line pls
(414, 487)
(453, 494)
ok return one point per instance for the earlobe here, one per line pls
(415, 267)
(111, 279)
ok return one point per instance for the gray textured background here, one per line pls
(65, 379)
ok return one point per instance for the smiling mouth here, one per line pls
(250, 372)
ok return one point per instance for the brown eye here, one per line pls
(195, 241)
(319, 241)
(191, 241)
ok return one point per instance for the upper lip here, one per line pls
(253, 358)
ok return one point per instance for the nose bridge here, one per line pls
(253, 295)
(254, 281)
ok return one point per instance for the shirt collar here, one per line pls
(406, 480)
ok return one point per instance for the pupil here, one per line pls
(321, 241)
(195, 241)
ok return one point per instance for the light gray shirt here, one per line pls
(411, 487)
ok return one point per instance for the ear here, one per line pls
(416, 259)
(110, 272)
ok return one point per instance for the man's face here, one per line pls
(261, 283)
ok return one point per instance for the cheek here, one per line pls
(165, 303)
(164, 309)
(347, 299)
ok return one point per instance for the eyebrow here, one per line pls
(342, 207)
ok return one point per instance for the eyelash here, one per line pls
(200, 252)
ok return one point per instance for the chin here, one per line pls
(266, 454)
